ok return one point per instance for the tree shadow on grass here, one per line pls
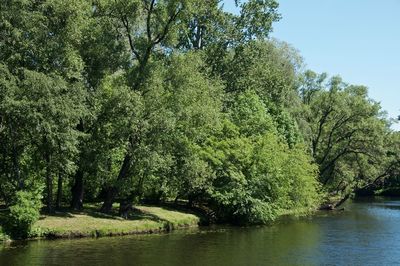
(137, 214)
(134, 214)
(93, 211)
(57, 214)
(205, 213)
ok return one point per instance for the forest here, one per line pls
(129, 101)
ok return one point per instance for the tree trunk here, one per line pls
(78, 188)
(335, 205)
(15, 160)
(113, 190)
(343, 200)
(176, 199)
(4, 196)
(77, 191)
(59, 191)
(49, 185)
(125, 206)
(190, 201)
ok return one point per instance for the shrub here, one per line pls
(24, 213)
(258, 178)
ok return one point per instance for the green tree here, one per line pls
(41, 40)
(257, 174)
(39, 117)
(347, 134)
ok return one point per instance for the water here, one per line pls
(366, 233)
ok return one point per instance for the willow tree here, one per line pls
(347, 133)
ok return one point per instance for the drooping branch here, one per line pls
(322, 122)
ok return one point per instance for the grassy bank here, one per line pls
(90, 223)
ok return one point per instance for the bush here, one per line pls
(24, 213)
(258, 178)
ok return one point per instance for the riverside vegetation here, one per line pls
(126, 102)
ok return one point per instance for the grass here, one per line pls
(90, 223)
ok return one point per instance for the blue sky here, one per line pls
(356, 39)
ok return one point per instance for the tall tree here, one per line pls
(347, 133)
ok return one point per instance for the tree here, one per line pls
(347, 133)
(41, 39)
(39, 119)
(257, 175)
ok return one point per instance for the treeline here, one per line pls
(122, 101)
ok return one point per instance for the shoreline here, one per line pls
(90, 223)
(147, 219)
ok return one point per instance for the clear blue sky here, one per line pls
(356, 39)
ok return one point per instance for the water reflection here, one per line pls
(366, 233)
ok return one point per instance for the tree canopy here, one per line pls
(177, 101)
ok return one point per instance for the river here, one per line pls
(367, 232)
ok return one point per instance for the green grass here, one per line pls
(145, 219)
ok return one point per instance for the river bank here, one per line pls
(365, 233)
(91, 223)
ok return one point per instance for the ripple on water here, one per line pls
(366, 233)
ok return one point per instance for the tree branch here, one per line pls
(161, 36)
(148, 19)
(125, 22)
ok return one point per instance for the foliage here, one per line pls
(257, 174)
(24, 213)
(347, 134)
(124, 101)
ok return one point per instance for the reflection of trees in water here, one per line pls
(364, 233)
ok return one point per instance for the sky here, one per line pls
(356, 39)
